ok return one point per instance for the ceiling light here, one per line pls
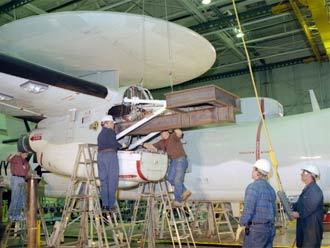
(4, 97)
(311, 157)
(206, 1)
(240, 34)
(34, 87)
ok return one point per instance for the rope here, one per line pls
(271, 151)
(170, 54)
(143, 45)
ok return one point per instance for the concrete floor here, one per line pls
(284, 238)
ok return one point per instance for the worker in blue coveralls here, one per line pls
(308, 210)
(107, 163)
(259, 210)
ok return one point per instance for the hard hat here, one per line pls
(312, 169)
(107, 118)
(263, 165)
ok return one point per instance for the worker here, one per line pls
(107, 163)
(308, 210)
(19, 168)
(259, 210)
(171, 144)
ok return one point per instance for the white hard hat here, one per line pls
(263, 165)
(312, 169)
(107, 118)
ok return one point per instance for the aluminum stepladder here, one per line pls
(222, 220)
(214, 217)
(17, 228)
(82, 212)
(158, 215)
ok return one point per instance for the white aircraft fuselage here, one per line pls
(221, 158)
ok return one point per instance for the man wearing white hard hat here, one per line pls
(308, 210)
(259, 210)
(107, 162)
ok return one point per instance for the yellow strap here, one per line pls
(272, 155)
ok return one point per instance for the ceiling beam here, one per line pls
(230, 20)
(305, 27)
(223, 36)
(13, 5)
(34, 9)
(321, 14)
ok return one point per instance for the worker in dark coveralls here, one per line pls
(308, 210)
(259, 210)
(107, 163)
(171, 144)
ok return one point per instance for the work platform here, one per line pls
(191, 108)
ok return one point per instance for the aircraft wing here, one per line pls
(54, 101)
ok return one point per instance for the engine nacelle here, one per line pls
(23, 144)
(134, 167)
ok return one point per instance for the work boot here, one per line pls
(186, 195)
(105, 209)
(114, 209)
(176, 204)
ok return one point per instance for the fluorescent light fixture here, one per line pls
(4, 97)
(310, 157)
(34, 87)
(240, 34)
(206, 1)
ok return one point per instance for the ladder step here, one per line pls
(176, 222)
(182, 237)
(225, 232)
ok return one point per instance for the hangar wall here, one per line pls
(289, 85)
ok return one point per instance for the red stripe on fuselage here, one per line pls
(127, 176)
(138, 168)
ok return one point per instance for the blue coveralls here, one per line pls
(108, 166)
(309, 229)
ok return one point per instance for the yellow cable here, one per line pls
(271, 151)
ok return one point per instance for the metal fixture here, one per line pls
(34, 87)
(4, 97)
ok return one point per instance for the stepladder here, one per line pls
(215, 218)
(82, 213)
(16, 229)
(155, 217)
(222, 220)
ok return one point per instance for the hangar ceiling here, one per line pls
(277, 32)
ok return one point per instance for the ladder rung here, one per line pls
(223, 222)
(177, 222)
(182, 237)
(87, 162)
(221, 233)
